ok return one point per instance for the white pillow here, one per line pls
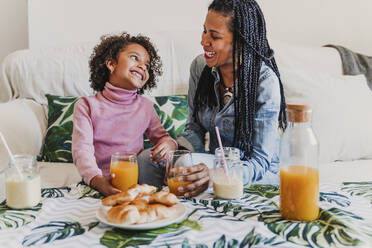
(23, 124)
(342, 111)
(58, 71)
(305, 57)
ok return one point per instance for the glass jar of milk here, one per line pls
(230, 185)
(22, 183)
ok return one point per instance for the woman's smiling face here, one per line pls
(217, 40)
(130, 71)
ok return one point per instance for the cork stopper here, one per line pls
(299, 112)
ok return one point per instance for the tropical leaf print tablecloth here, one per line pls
(66, 218)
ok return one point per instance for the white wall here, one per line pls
(318, 22)
(315, 22)
(13, 26)
(61, 22)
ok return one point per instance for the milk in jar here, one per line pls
(230, 185)
(22, 185)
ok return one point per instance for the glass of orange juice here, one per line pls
(124, 166)
(177, 162)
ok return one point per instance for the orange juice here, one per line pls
(173, 185)
(299, 192)
(126, 174)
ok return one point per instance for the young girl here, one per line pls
(116, 117)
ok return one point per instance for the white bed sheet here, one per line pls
(346, 171)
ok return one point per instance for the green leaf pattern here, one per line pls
(86, 191)
(173, 112)
(267, 191)
(15, 218)
(334, 197)
(329, 230)
(57, 143)
(54, 230)
(54, 192)
(334, 227)
(122, 238)
(363, 189)
(251, 221)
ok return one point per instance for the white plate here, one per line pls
(181, 214)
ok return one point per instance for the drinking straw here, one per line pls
(11, 155)
(222, 152)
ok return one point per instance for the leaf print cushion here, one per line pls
(57, 142)
(172, 111)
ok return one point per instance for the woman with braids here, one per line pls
(235, 85)
(115, 118)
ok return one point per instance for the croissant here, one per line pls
(155, 212)
(163, 211)
(129, 195)
(165, 198)
(147, 215)
(140, 203)
(144, 189)
(138, 214)
(123, 214)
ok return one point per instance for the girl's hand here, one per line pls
(160, 150)
(103, 184)
(198, 175)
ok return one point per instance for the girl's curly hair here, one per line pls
(110, 48)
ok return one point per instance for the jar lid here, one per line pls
(232, 153)
(299, 112)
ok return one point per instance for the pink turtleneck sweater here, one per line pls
(111, 121)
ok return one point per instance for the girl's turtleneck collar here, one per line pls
(119, 95)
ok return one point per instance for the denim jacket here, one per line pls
(262, 167)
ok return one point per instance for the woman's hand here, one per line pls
(197, 174)
(103, 184)
(160, 150)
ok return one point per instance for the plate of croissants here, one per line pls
(141, 208)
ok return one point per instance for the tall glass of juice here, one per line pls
(125, 168)
(178, 161)
(299, 176)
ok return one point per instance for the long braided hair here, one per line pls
(250, 48)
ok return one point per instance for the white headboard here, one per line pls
(316, 22)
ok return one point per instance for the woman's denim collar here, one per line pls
(216, 74)
(217, 79)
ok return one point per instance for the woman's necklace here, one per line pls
(227, 94)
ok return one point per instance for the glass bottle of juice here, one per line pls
(299, 176)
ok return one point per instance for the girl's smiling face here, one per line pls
(217, 40)
(130, 71)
